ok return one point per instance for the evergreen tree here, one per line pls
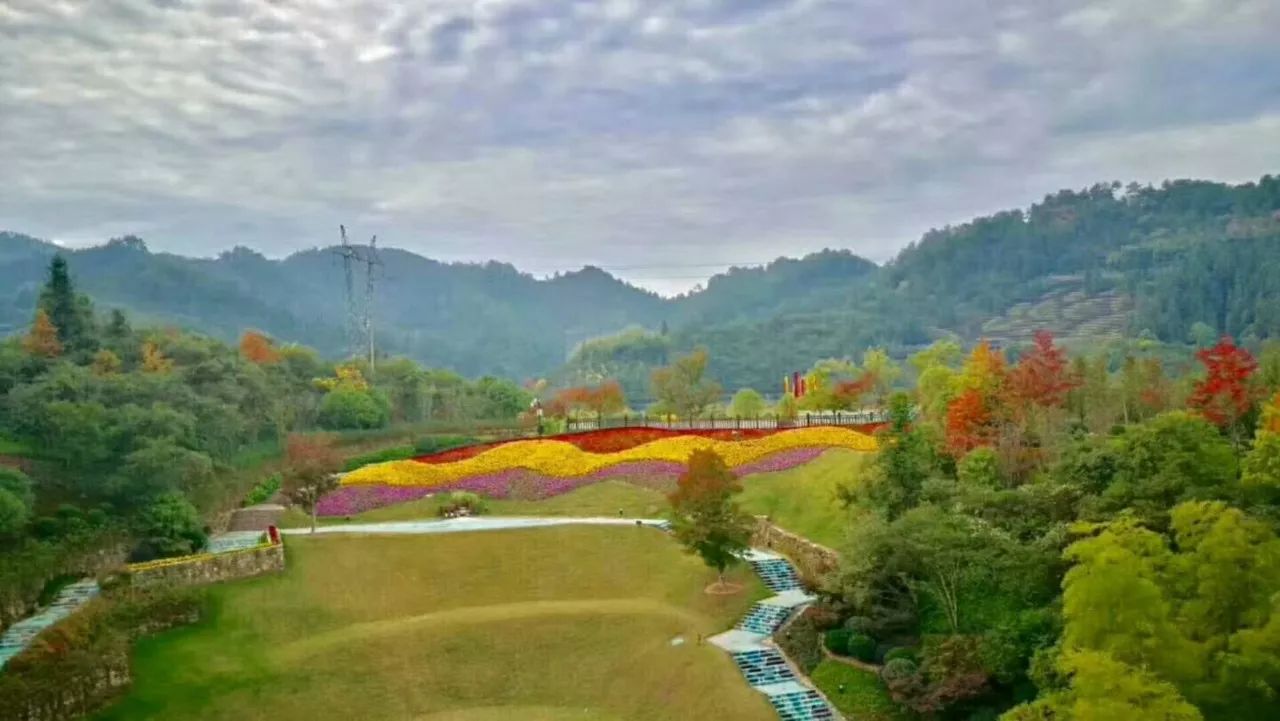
(66, 311)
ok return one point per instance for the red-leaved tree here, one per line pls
(1222, 396)
(969, 423)
(1041, 377)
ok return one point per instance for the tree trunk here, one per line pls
(313, 518)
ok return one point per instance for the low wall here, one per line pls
(210, 567)
(814, 561)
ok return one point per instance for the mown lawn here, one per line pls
(546, 624)
(803, 500)
(856, 693)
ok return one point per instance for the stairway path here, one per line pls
(19, 635)
(751, 646)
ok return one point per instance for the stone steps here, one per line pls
(763, 667)
(777, 574)
(764, 618)
(801, 706)
(20, 634)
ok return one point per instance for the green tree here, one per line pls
(351, 408)
(683, 387)
(69, 315)
(980, 468)
(902, 464)
(169, 526)
(159, 467)
(747, 403)
(1105, 689)
(704, 516)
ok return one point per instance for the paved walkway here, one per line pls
(751, 645)
(476, 523)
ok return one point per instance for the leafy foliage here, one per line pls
(704, 516)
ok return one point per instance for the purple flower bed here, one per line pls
(529, 485)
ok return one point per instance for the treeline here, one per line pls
(1048, 540)
(108, 431)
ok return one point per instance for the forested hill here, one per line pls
(1185, 258)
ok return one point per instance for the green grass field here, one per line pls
(803, 500)
(548, 624)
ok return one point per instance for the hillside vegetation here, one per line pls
(1136, 260)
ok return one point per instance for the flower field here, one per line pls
(536, 469)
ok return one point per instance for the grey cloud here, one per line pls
(619, 132)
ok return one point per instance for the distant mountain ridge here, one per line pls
(1105, 260)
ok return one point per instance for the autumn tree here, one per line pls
(42, 340)
(1222, 395)
(1041, 377)
(154, 360)
(105, 363)
(258, 348)
(312, 464)
(606, 399)
(704, 516)
(969, 423)
(684, 387)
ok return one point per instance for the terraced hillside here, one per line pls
(1067, 311)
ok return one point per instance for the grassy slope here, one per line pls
(551, 624)
(803, 500)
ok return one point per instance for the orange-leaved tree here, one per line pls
(312, 465)
(969, 423)
(704, 516)
(42, 341)
(154, 360)
(258, 348)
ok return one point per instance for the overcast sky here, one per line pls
(658, 138)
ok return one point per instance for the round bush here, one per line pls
(858, 624)
(861, 647)
(836, 641)
(897, 669)
(901, 652)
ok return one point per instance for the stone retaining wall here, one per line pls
(814, 561)
(211, 568)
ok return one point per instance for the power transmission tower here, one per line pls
(349, 254)
(371, 261)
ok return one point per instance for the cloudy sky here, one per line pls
(658, 138)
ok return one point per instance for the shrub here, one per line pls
(352, 408)
(837, 641)
(265, 489)
(902, 652)
(861, 647)
(859, 624)
(898, 669)
(802, 642)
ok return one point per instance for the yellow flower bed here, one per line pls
(557, 458)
